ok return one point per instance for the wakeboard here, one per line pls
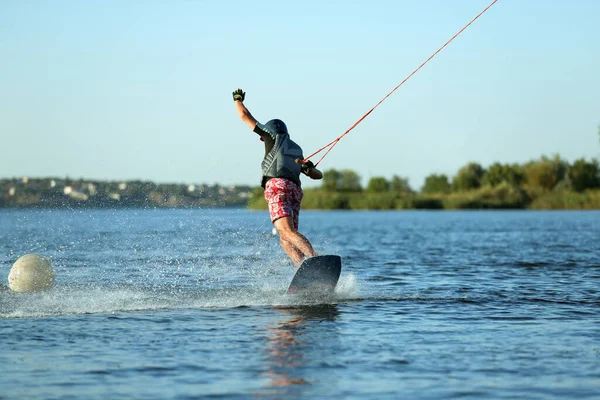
(318, 275)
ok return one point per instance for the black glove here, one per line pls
(238, 95)
(307, 167)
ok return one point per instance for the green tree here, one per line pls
(343, 181)
(436, 184)
(349, 181)
(498, 173)
(378, 184)
(400, 185)
(330, 180)
(494, 175)
(546, 172)
(468, 177)
(584, 175)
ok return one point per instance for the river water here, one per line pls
(187, 304)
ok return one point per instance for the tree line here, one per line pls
(545, 183)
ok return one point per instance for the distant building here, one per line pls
(78, 196)
(91, 189)
(74, 193)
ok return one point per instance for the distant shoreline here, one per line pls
(57, 193)
(54, 193)
(498, 198)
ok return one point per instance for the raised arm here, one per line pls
(238, 99)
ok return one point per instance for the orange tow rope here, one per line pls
(335, 142)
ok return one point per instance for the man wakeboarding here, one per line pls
(281, 167)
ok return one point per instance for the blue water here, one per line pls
(187, 304)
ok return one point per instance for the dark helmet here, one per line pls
(277, 126)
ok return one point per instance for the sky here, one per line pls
(124, 90)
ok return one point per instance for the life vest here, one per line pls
(280, 162)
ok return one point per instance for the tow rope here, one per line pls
(332, 144)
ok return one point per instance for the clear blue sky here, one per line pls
(123, 90)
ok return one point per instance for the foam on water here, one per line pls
(89, 299)
(118, 262)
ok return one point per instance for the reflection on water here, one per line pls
(291, 341)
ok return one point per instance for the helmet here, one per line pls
(277, 126)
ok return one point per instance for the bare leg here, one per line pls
(292, 252)
(295, 244)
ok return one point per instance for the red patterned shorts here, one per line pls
(283, 197)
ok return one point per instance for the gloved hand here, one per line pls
(239, 95)
(307, 166)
